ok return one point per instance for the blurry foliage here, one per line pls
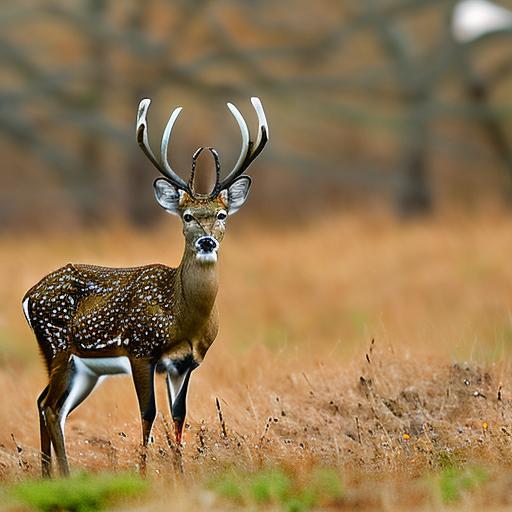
(366, 98)
(454, 482)
(447, 459)
(274, 487)
(81, 493)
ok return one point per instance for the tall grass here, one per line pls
(299, 381)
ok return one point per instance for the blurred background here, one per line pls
(381, 208)
(401, 104)
(380, 112)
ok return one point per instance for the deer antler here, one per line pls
(142, 139)
(250, 149)
(194, 160)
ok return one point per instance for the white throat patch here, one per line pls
(207, 257)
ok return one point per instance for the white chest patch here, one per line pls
(100, 366)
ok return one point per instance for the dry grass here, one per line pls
(300, 384)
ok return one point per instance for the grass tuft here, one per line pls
(276, 488)
(271, 486)
(454, 482)
(81, 493)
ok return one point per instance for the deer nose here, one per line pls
(207, 244)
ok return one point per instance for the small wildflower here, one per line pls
(485, 425)
(406, 437)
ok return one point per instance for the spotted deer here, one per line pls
(92, 322)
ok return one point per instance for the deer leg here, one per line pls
(143, 372)
(46, 453)
(82, 383)
(57, 438)
(58, 391)
(49, 407)
(54, 429)
(70, 384)
(178, 377)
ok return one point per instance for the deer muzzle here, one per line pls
(206, 248)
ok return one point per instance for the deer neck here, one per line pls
(199, 284)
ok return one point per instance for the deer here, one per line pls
(93, 322)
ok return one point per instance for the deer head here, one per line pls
(203, 215)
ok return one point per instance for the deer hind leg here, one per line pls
(60, 377)
(46, 453)
(143, 372)
(83, 382)
(70, 383)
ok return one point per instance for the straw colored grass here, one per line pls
(301, 386)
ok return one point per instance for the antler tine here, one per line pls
(142, 140)
(250, 149)
(217, 168)
(141, 131)
(215, 155)
(245, 138)
(263, 133)
(193, 171)
(165, 144)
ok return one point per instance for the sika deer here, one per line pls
(92, 322)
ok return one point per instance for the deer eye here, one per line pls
(187, 217)
(222, 215)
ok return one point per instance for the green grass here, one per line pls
(80, 493)
(275, 487)
(447, 459)
(454, 482)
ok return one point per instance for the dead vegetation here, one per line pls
(385, 361)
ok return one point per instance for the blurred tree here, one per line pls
(473, 21)
(353, 91)
(141, 212)
(413, 192)
(92, 145)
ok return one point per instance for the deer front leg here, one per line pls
(177, 379)
(143, 372)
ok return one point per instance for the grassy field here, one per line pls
(361, 364)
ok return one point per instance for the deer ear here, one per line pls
(237, 193)
(168, 196)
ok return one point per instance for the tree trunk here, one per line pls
(414, 192)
